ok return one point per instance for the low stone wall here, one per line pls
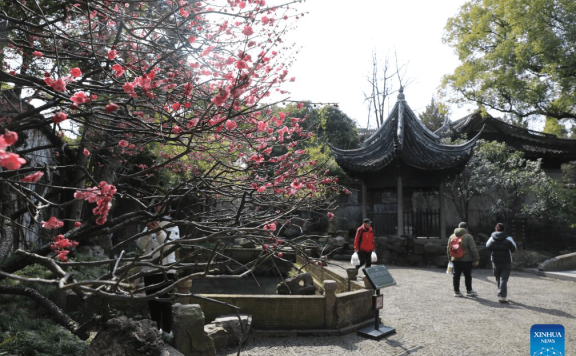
(283, 312)
(342, 305)
(559, 263)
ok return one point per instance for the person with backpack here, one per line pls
(464, 255)
(501, 247)
(364, 243)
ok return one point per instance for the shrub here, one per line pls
(25, 335)
(528, 259)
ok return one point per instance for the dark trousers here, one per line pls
(502, 273)
(459, 268)
(365, 258)
(160, 312)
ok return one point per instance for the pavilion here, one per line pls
(403, 156)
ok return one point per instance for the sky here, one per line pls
(337, 39)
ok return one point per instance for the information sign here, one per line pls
(379, 277)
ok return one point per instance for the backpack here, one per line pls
(457, 247)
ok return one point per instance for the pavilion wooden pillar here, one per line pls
(364, 199)
(442, 211)
(400, 200)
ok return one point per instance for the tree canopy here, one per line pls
(514, 185)
(517, 57)
(111, 110)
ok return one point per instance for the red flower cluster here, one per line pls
(270, 227)
(59, 85)
(61, 246)
(52, 223)
(9, 160)
(75, 72)
(32, 178)
(59, 117)
(220, 99)
(102, 196)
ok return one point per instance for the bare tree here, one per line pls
(382, 85)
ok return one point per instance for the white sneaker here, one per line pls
(502, 300)
(471, 293)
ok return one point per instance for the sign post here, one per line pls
(379, 277)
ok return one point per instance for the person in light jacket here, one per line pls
(501, 247)
(160, 312)
(364, 243)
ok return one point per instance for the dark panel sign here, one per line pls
(379, 277)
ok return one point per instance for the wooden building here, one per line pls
(553, 151)
(403, 157)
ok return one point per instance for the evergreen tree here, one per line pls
(433, 116)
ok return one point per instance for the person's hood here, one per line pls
(460, 231)
(499, 235)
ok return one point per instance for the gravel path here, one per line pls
(430, 321)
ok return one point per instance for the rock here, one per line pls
(95, 250)
(218, 334)
(236, 331)
(122, 336)
(340, 241)
(244, 242)
(434, 249)
(170, 351)
(559, 263)
(343, 233)
(292, 231)
(418, 249)
(397, 244)
(189, 335)
(301, 284)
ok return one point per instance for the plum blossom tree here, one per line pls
(144, 104)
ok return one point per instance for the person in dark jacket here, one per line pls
(364, 243)
(501, 247)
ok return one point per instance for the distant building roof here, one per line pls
(552, 150)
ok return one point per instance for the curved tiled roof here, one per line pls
(533, 143)
(403, 138)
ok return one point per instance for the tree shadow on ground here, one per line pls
(517, 305)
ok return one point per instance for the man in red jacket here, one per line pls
(364, 243)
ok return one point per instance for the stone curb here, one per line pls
(563, 275)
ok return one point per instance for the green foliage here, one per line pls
(552, 126)
(516, 186)
(25, 335)
(330, 126)
(517, 56)
(568, 193)
(434, 115)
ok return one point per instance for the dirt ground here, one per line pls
(430, 321)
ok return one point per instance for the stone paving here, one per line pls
(430, 321)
